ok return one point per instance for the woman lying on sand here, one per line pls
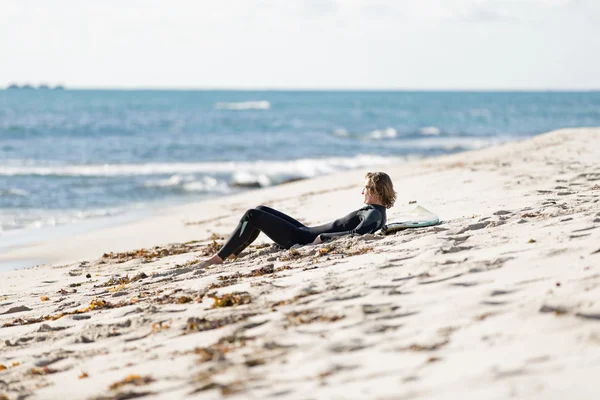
(286, 231)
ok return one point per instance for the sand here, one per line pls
(499, 301)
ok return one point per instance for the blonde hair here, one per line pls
(381, 185)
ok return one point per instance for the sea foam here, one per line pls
(244, 105)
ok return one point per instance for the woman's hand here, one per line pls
(317, 240)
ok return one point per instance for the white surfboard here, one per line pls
(417, 218)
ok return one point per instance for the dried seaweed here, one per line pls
(195, 324)
(95, 304)
(132, 379)
(149, 254)
(124, 280)
(210, 249)
(425, 347)
(267, 269)
(293, 254)
(230, 299)
(168, 299)
(45, 370)
(310, 316)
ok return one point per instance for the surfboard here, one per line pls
(417, 218)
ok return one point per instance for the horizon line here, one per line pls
(291, 89)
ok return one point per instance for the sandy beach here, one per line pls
(500, 300)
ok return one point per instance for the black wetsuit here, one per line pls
(286, 231)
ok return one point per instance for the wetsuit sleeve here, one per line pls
(372, 220)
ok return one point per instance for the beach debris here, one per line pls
(326, 250)
(45, 370)
(195, 324)
(161, 325)
(88, 276)
(169, 299)
(292, 254)
(116, 281)
(83, 375)
(132, 379)
(425, 347)
(532, 241)
(95, 304)
(310, 316)
(209, 354)
(485, 316)
(210, 249)
(2, 367)
(552, 309)
(230, 299)
(44, 298)
(150, 254)
(267, 269)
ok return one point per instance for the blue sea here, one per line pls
(74, 155)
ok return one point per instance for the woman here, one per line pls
(286, 231)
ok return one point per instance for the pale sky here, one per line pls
(310, 44)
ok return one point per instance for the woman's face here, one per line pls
(367, 192)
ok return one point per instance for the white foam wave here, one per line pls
(189, 183)
(341, 132)
(174, 180)
(307, 167)
(430, 131)
(207, 184)
(449, 144)
(244, 105)
(387, 133)
(14, 192)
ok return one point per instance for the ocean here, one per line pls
(76, 155)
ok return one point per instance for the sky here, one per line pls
(309, 44)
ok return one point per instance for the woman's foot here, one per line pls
(209, 261)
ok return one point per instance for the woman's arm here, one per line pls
(372, 220)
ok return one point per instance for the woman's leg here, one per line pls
(256, 231)
(281, 215)
(280, 230)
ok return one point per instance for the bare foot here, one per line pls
(209, 261)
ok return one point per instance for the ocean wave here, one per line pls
(14, 192)
(387, 133)
(307, 167)
(244, 105)
(430, 131)
(174, 180)
(189, 183)
(434, 143)
(341, 132)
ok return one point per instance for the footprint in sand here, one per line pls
(502, 213)
(474, 227)
(501, 292)
(465, 284)
(494, 303)
(441, 279)
(455, 249)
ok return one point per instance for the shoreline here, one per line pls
(19, 254)
(499, 300)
